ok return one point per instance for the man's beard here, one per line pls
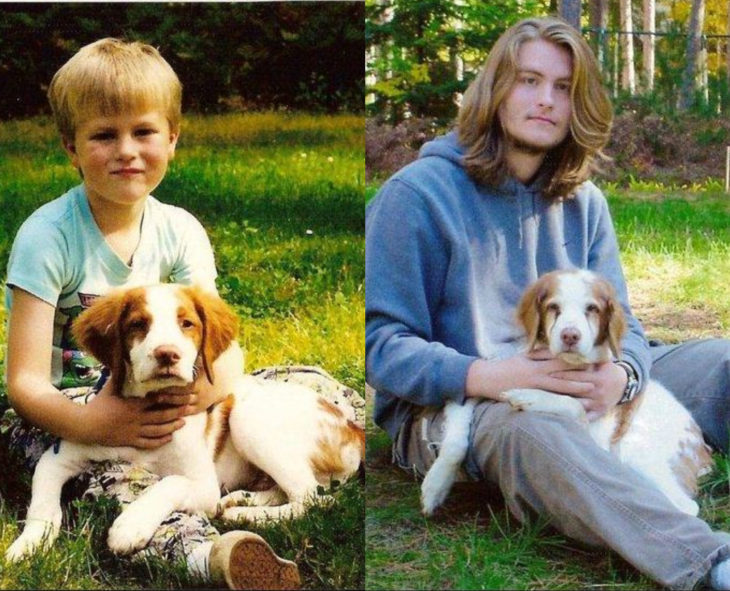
(527, 148)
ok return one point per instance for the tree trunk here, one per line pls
(648, 42)
(570, 11)
(599, 23)
(727, 47)
(628, 77)
(690, 81)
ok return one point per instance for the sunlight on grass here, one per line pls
(313, 337)
(281, 196)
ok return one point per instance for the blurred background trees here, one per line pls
(661, 55)
(299, 55)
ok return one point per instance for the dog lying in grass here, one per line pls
(576, 316)
(163, 335)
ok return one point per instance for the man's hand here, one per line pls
(490, 378)
(608, 382)
(599, 386)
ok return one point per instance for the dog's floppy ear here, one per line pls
(220, 326)
(529, 310)
(612, 320)
(97, 330)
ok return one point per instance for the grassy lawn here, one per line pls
(675, 245)
(281, 197)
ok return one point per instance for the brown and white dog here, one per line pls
(576, 315)
(159, 336)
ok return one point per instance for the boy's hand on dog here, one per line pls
(137, 422)
(196, 397)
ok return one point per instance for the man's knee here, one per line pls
(526, 427)
(520, 440)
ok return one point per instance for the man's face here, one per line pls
(535, 114)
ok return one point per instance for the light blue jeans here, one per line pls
(548, 465)
(698, 374)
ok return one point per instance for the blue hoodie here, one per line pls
(446, 263)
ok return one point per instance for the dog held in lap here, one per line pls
(162, 335)
(576, 315)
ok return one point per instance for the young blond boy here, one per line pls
(117, 106)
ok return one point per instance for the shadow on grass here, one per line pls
(472, 542)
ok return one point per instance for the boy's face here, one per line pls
(535, 114)
(122, 157)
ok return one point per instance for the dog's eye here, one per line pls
(185, 323)
(592, 309)
(553, 307)
(138, 324)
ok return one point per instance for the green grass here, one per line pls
(675, 248)
(281, 196)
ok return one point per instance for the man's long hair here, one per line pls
(480, 131)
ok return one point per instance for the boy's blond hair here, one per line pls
(111, 76)
(480, 130)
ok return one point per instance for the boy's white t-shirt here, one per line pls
(60, 256)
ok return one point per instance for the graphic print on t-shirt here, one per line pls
(79, 369)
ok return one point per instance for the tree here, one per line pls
(598, 16)
(423, 53)
(648, 43)
(305, 55)
(570, 11)
(727, 47)
(690, 81)
(628, 75)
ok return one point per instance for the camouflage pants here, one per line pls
(180, 533)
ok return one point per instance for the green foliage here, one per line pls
(281, 196)
(413, 45)
(303, 55)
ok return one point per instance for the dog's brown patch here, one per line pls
(330, 408)
(337, 436)
(221, 416)
(612, 325)
(694, 460)
(624, 415)
(109, 325)
(531, 311)
(219, 325)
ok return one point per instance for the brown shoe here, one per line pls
(243, 560)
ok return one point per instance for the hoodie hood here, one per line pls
(445, 146)
(448, 147)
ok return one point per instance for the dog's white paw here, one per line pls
(540, 401)
(433, 494)
(264, 515)
(438, 481)
(19, 549)
(129, 533)
(35, 536)
(242, 498)
(523, 399)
